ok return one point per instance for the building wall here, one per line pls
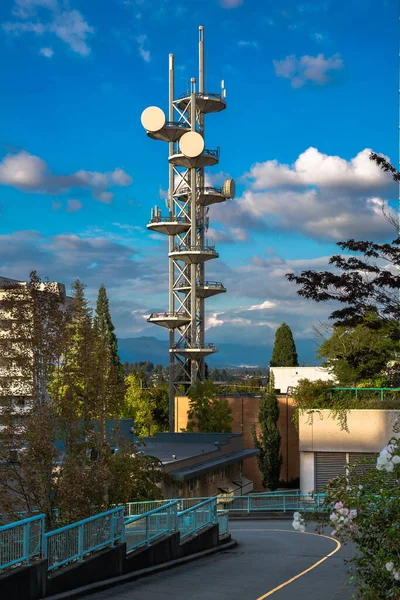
(207, 484)
(245, 411)
(368, 432)
(289, 377)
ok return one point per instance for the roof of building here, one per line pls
(220, 461)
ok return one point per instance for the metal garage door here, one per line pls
(327, 466)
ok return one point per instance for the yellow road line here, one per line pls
(279, 587)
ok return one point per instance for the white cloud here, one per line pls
(142, 41)
(307, 68)
(248, 43)
(74, 206)
(47, 52)
(71, 28)
(30, 173)
(320, 196)
(49, 17)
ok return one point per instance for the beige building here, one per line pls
(245, 409)
(326, 450)
(287, 378)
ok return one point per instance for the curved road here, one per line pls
(269, 554)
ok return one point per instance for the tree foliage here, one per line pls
(284, 353)
(57, 454)
(359, 355)
(208, 413)
(268, 439)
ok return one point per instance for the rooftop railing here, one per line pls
(197, 248)
(168, 314)
(72, 542)
(202, 95)
(357, 391)
(22, 542)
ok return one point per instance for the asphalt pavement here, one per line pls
(269, 554)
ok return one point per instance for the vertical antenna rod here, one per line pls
(171, 242)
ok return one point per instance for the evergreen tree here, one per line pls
(268, 439)
(284, 352)
(105, 326)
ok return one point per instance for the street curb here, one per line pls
(99, 586)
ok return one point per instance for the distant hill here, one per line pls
(229, 355)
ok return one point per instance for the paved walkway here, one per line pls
(269, 554)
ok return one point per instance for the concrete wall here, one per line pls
(245, 411)
(369, 431)
(307, 472)
(97, 567)
(24, 583)
(287, 377)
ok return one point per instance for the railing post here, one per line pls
(44, 539)
(147, 530)
(248, 504)
(27, 528)
(113, 528)
(284, 502)
(81, 537)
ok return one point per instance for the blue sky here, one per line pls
(311, 87)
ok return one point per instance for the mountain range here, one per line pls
(143, 348)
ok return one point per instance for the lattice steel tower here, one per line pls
(186, 224)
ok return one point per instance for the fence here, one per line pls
(198, 516)
(138, 508)
(223, 521)
(267, 501)
(144, 528)
(73, 542)
(22, 542)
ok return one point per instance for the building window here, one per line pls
(194, 483)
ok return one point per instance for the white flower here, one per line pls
(396, 459)
(396, 574)
(302, 528)
(353, 513)
(360, 487)
(296, 525)
(389, 566)
(343, 511)
(391, 448)
(389, 467)
(333, 517)
(297, 516)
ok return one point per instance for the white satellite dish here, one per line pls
(191, 144)
(153, 118)
(229, 189)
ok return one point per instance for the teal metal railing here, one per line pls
(223, 521)
(22, 542)
(145, 527)
(268, 501)
(358, 390)
(138, 508)
(73, 542)
(198, 516)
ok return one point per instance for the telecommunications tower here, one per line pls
(186, 223)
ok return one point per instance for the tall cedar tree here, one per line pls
(267, 438)
(284, 352)
(364, 283)
(208, 413)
